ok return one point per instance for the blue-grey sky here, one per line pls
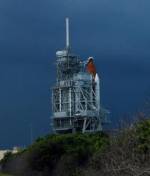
(115, 32)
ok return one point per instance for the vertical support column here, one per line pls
(70, 104)
(84, 125)
(86, 99)
(60, 100)
(76, 99)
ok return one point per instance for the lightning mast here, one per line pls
(67, 34)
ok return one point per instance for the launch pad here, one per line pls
(76, 94)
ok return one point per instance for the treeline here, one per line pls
(124, 154)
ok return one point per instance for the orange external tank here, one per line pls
(91, 67)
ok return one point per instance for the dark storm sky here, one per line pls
(115, 32)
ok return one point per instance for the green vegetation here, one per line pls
(7, 155)
(123, 154)
(73, 148)
(143, 136)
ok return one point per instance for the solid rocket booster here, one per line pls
(97, 91)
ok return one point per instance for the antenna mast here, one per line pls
(67, 34)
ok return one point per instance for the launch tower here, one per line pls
(76, 94)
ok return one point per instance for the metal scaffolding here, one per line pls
(76, 95)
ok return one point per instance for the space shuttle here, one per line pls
(91, 69)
